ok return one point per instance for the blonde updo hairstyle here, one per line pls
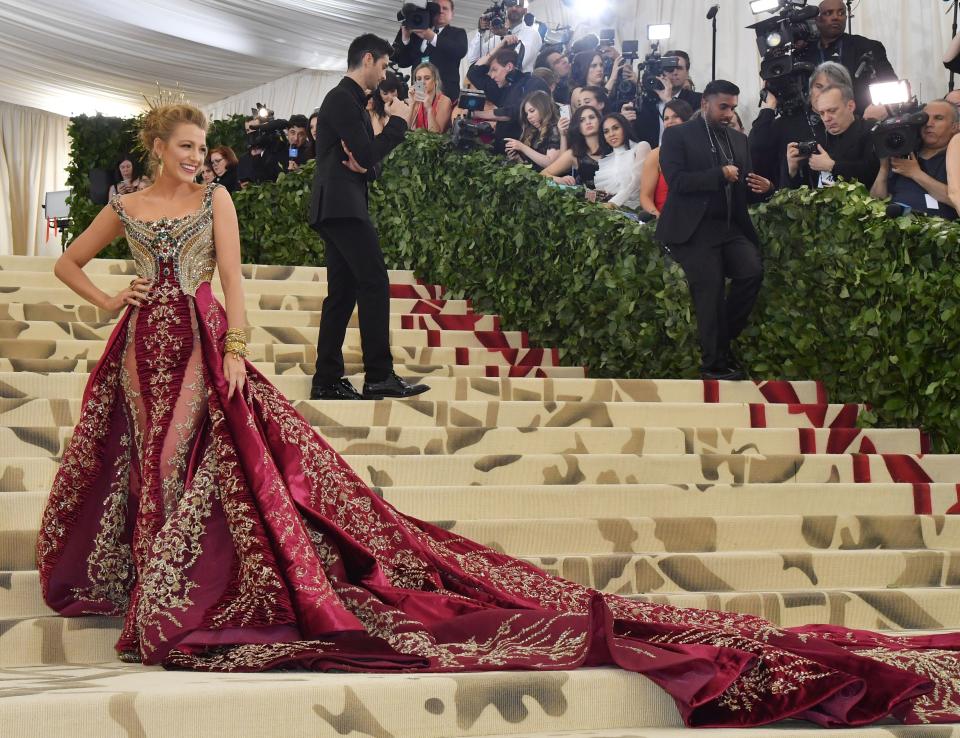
(160, 122)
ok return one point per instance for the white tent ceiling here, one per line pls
(82, 56)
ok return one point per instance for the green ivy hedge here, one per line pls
(865, 303)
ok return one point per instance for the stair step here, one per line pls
(305, 369)
(25, 348)
(281, 299)
(110, 697)
(84, 313)
(11, 281)
(36, 385)
(280, 335)
(468, 502)
(20, 514)
(250, 271)
(19, 474)
(43, 413)
(51, 441)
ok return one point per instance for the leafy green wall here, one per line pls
(867, 304)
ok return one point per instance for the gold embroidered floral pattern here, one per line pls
(941, 667)
(110, 567)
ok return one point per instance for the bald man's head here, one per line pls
(832, 20)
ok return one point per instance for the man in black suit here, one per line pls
(443, 46)
(864, 58)
(348, 156)
(706, 227)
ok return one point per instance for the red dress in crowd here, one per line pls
(229, 536)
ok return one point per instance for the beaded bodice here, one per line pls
(173, 249)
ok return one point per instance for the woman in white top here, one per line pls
(617, 181)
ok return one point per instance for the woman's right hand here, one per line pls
(563, 124)
(568, 180)
(513, 146)
(133, 295)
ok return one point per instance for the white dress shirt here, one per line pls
(482, 43)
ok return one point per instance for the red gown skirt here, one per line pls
(229, 536)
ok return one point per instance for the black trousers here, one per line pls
(356, 276)
(714, 254)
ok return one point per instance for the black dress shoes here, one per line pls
(726, 373)
(339, 390)
(392, 386)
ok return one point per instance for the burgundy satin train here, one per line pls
(230, 537)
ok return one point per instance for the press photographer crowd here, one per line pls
(627, 127)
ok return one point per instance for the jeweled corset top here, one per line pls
(173, 249)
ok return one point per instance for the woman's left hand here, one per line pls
(235, 371)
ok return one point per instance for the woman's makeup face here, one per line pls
(613, 133)
(589, 125)
(670, 118)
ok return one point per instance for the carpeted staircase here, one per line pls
(755, 497)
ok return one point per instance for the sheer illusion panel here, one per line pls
(165, 412)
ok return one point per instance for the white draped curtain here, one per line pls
(34, 154)
(299, 92)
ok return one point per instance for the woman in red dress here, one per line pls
(196, 504)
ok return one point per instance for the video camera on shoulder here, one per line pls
(467, 132)
(902, 133)
(793, 27)
(263, 129)
(415, 17)
(652, 68)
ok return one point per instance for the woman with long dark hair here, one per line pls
(539, 144)
(579, 163)
(587, 69)
(617, 180)
(389, 89)
(128, 177)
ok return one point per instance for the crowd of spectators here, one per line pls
(578, 113)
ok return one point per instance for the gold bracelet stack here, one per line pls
(236, 343)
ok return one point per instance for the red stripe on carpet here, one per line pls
(808, 440)
(861, 468)
(779, 391)
(922, 504)
(711, 390)
(758, 415)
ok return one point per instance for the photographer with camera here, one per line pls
(864, 58)
(266, 154)
(553, 58)
(847, 150)
(663, 80)
(919, 181)
(777, 124)
(505, 20)
(437, 42)
(498, 75)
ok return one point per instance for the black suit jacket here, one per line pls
(853, 155)
(445, 56)
(693, 176)
(343, 118)
(849, 50)
(508, 99)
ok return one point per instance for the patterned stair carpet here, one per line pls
(753, 497)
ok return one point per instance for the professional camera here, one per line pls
(494, 18)
(264, 130)
(418, 18)
(466, 133)
(807, 148)
(558, 36)
(902, 133)
(403, 80)
(652, 67)
(779, 38)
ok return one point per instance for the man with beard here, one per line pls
(706, 227)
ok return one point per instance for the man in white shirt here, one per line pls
(526, 39)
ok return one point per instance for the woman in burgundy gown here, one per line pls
(196, 504)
